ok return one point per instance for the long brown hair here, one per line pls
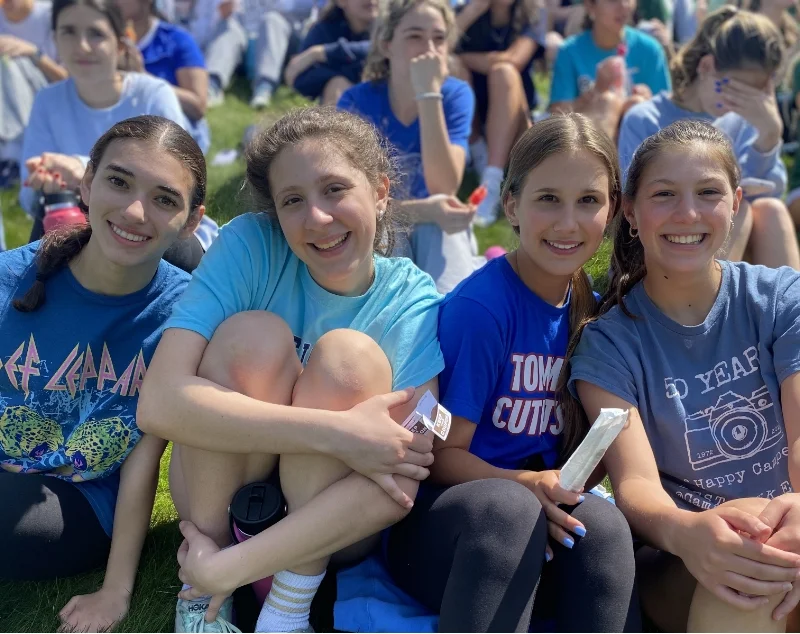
(556, 135)
(59, 247)
(359, 142)
(736, 39)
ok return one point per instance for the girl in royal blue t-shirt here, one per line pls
(475, 547)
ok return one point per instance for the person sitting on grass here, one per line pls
(587, 75)
(334, 51)
(83, 312)
(426, 116)
(702, 352)
(725, 75)
(293, 333)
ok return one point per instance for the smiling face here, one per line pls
(561, 212)
(328, 210)
(138, 203)
(420, 30)
(683, 210)
(87, 44)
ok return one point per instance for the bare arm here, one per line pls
(51, 69)
(471, 12)
(442, 162)
(790, 404)
(192, 91)
(518, 54)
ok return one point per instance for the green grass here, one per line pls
(34, 607)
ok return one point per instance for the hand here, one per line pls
(642, 90)
(53, 172)
(782, 515)
(15, 47)
(131, 58)
(428, 72)
(97, 612)
(450, 213)
(758, 107)
(377, 447)
(607, 74)
(659, 31)
(545, 486)
(197, 558)
(302, 62)
(723, 550)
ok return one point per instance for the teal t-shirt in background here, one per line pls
(251, 267)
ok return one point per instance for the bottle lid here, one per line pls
(61, 198)
(256, 507)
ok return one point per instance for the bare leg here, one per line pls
(508, 115)
(740, 234)
(709, 614)
(334, 89)
(345, 368)
(773, 240)
(254, 354)
(794, 210)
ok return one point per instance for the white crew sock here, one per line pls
(492, 176)
(288, 605)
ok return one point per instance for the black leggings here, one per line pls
(48, 529)
(474, 553)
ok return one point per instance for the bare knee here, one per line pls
(504, 76)
(334, 89)
(771, 212)
(253, 352)
(345, 368)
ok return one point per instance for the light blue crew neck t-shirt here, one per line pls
(251, 267)
(575, 67)
(709, 395)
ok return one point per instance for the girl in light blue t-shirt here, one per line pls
(293, 333)
(703, 354)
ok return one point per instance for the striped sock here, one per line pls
(288, 605)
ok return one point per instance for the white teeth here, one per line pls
(563, 246)
(330, 245)
(692, 239)
(128, 236)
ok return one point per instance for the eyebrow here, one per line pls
(666, 181)
(113, 167)
(551, 190)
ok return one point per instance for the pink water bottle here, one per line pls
(60, 210)
(255, 508)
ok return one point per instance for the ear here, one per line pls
(737, 200)
(510, 207)
(382, 193)
(627, 210)
(706, 66)
(86, 185)
(192, 223)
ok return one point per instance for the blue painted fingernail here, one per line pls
(580, 531)
(725, 81)
(717, 83)
(581, 499)
(569, 542)
(719, 105)
(548, 557)
(718, 89)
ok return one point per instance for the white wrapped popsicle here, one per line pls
(590, 452)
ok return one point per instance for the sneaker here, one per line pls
(489, 209)
(262, 95)
(216, 96)
(190, 617)
(479, 155)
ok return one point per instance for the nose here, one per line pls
(567, 221)
(317, 217)
(135, 212)
(685, 209)
(83, 43)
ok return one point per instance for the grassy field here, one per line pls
(33, 607)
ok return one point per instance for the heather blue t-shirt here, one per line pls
(708, 395)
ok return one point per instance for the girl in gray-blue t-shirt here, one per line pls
(704, 354)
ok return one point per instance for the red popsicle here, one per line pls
(476, 197)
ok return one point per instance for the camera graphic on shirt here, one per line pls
(733, 429)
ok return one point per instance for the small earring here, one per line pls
(380, 214)
(733, 224)
(633, 232)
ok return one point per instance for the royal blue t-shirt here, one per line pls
(70, 375)
(503, 349)
(371, 101)
(167, 48)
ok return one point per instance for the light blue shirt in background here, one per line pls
(251, 267)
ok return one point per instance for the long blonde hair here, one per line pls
(391, 14)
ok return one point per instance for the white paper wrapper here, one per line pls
(586, 457)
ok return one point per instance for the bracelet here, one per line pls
(428, 95)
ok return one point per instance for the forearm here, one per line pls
(51, 70)
(199, 413)
(454, 465)
(483, 62)
(132, 520)
(467, 16)
(192, 104)
(439, 163)
(416, 211)
(348, 511)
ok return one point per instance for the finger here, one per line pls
(743, 521)
(67, 609)
(560, 535)
(189, 530)
(400, 397)
(788, 604)
(735, 599)
(190, 594)
(548, 553)
(765, 554)
(774, 512)
(183, 577)
(182, 552)
(757, 570)
(561, 495)
(412, 471)
(420, 443)
(755, 586)
(214, 606)
(563, 519)
(389, 485)
(419, 458)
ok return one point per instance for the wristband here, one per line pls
(428, 95)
